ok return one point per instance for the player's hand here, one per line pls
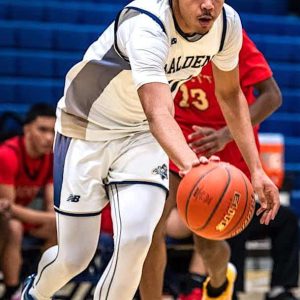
(207, 141)
(268, 195)
(201, 160)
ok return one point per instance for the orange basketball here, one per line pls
(216, 200)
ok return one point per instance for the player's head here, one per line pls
(39, 128)
(196, 16)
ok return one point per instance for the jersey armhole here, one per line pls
(139, 10)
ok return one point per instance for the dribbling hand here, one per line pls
(268, 195)
(201, 160)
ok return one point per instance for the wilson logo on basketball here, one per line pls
(230, 213)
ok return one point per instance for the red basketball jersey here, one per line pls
(196, 103)
(28, 175)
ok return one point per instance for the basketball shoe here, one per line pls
(227, 294)
(27, 285)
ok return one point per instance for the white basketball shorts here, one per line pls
(83, 169)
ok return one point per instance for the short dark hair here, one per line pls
(39, 110)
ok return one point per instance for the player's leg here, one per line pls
(136, 210)
(215, 255)
(79, 196)
(11, 258)
(214, 259)
(221, 274)
(138, 181)
(151, 284)
(77, 243)
(238, 256)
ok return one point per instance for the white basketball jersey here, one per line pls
(143, 45)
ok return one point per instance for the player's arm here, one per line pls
(269, 99)
(236, 112)
(208, 140)
(158, 106)
(146, 45)
(29, 215)
(48, 197)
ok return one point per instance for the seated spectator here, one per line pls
(25, 171)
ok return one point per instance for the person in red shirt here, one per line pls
(200, 117)
(201, 120)
(26, 170)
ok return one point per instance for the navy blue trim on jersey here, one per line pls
(61, 147)
(71, 214)
(140, 182)
(115, 37)
(117, 249)
(224, 30)
(151, 15)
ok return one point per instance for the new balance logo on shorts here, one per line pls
(73, 198)
(162, 171)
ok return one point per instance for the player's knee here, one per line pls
(210, 250)
(136, 243)
(15, 232)
(74, 265)
(75, 260)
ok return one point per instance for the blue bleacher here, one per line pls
(272, 7)
(58, 12)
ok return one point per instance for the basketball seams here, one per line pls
(219, 201)
(245, 208)
(192, 191)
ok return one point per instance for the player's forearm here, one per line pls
(268, 100)
(238, 120)
(31, 216)
(266, 103)
(158, 106)
(169, 135)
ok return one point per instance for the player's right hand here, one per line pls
(201, 160)
(268, 195)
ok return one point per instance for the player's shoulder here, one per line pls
(231, 13)
(158, 8)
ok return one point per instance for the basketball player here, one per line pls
(115, 131)
(199, 115)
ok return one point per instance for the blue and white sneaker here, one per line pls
(27, 285)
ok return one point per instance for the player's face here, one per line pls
(196, 16)
(40, 134)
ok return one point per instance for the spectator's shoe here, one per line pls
(195, 294)
(227, 294)
(286, 295)
(27, 285)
